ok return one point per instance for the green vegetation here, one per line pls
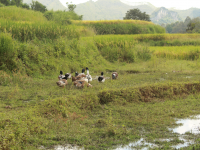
(177, 52)
(136, 14)
(122, 27)
(62, 17)
(155, 86)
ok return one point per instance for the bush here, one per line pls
(61, 17)
(2, 5)
(7, 52)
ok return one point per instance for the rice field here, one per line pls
(177, 52)
(87, 22)
(156, 85)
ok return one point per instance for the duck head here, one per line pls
(83, 70)
(76, 74)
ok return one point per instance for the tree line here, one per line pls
(187, 26)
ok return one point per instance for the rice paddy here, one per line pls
(156, 85)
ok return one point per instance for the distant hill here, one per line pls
(163, 15)
(99, 10)
(50, 4)
(116, 10)
(191, 12)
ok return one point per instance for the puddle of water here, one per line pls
(185, 144)
(68, 147)
(188, 125)
(139, 143)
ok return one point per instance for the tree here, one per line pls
(136, 14)
(5, 2)
(16, 2)
(71, 6)
(194, 25)
(24, 5)
(38, 6)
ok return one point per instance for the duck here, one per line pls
(79, 78)
(69, 75)
(82, 74)
(81, 84)
(76, 74)
(88, 76)
(114, 75)
(62, 81)
(101, 78)
(61, 75)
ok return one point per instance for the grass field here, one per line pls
(159, 81)
(35, 112)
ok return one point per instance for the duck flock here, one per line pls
(81, 80)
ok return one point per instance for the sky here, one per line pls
(177, 4)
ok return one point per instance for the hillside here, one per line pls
(191, 12)
(163, 15)
(99, 10)
(117, 9)
(50, 4)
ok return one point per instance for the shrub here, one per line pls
(7, 52)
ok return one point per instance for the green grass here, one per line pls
(21, 15)
(122, 27)
(36, 112)
(156, 85)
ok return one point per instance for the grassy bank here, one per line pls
(122, 27)
(35, 112)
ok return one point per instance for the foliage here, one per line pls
(122, 27)
(5, 2)
(2, 5)
(61, 17)
(24, 5)
(178, 27)
(37, 6)
(136, 14)
(71, 6)
(7, 52)
(194, 25)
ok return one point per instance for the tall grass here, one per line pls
(37, 58)
(177, 52)
(7, 52)
(149, 37)
(19, 14)
(45, 30)
(122, 27)
(86, 22)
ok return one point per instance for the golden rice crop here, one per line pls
(86, 22)
(146, 37)
(177, 52)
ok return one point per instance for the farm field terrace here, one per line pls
(35, 112)
(156, 85)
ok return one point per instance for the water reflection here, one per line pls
(139, 144)
(188, 125)
(68, 147)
